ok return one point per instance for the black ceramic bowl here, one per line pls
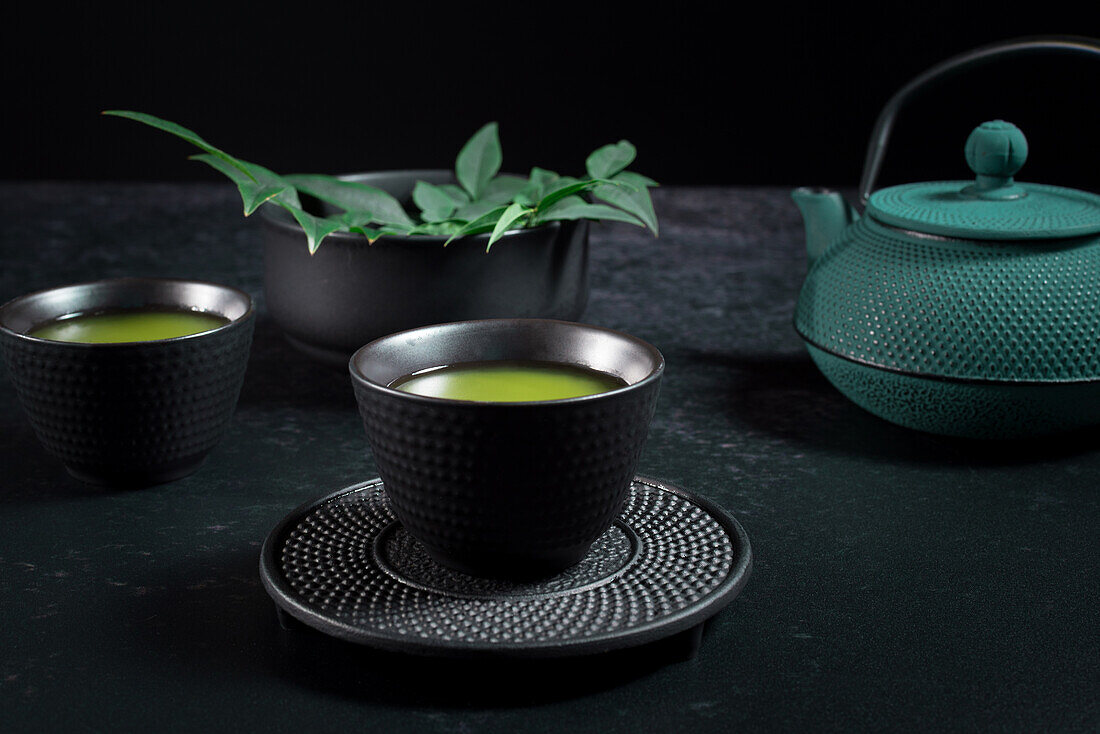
(135, 413)
(349, 292)
(507, 489)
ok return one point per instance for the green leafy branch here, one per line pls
(483, 200)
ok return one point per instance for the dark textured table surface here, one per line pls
(903, 581)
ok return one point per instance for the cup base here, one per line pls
(145, 477)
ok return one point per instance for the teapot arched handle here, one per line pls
(876, 148)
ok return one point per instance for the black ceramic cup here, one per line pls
(507, 489)
(134, 413)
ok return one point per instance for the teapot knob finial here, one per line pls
(995, 151)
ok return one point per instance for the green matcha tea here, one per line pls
(507, 382)
(128, 325)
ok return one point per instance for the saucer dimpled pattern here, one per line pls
(950, 308)
(328, 559)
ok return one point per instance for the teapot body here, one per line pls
(982, 339)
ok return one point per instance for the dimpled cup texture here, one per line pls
(129, 414)
(507, 489)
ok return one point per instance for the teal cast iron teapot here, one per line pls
(964, 308)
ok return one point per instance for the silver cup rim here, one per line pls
(654, 374)
(233, 322)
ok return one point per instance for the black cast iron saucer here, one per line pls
(344, 566)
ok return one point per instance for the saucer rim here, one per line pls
(280, 591)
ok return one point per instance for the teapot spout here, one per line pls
(825, 215)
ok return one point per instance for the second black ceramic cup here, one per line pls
(129, 414)
(507, 489)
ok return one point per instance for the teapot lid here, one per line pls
(993, 206)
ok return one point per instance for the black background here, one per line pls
(781, 93)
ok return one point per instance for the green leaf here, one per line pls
(167, 126)
(564, 187)
(255, 183)
(316, 228)
(434, 217)
(435, 203)
(270, 178)
(356, 221)
(447, 227)
(479, 160)
(352, 196)
(458, 196)
(634, 201)
(542, 177)
(252, 194)
(605, 162)
(537, 183)
(373, 235)
(485, 223)
(234, 174)
(529, 195)
(502, 189)
(560, 182)
(261, 174)
(574, 207)
(474, 210)
(636, 180)
(180, 132)
(511, 215)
